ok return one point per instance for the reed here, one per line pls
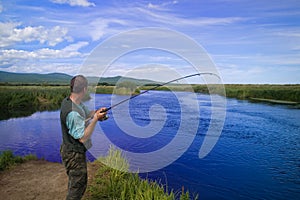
(17, 101)
(276, 92)
(116, 183)
(115, 90)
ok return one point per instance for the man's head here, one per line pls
(78, 84)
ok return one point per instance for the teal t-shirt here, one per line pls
(76, 123)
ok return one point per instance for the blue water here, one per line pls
(256, 157)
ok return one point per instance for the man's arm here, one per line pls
(88, 131)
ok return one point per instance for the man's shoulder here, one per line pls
(66, 106)
(74, 115)
(65, 102)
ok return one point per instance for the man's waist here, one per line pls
(73, 148)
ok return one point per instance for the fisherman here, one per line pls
(76, 135)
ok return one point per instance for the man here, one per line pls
(76, 135)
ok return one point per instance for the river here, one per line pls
(257, 156)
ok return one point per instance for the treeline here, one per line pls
(17, 101)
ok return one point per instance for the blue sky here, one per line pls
(249, 41)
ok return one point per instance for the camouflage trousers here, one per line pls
(76, 168)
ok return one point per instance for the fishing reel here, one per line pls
(104, 118)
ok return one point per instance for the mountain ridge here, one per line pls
(63, 79)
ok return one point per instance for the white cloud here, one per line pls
(98, 27)
(257, 59)
(161, 6)
(175, 20)
(258, 68)
(75, 47)
(61, 67)
(44, 53)
(150, 5)
(13, 54)
(83, 3)
(288, 34)
(12, 33)
(66, 60)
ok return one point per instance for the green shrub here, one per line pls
(116, 183)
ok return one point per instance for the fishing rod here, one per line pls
(153, 88)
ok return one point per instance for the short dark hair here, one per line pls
(78, 83)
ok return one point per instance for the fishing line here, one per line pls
(157, 86)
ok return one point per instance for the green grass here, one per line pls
(116, 183)
(115, 90)
(104, 89)
(23, 96)
(19, 101)
(7, 159)
(281, 93)
(275, 92)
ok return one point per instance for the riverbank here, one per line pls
(288, 94)
(108, 178)
(274, 101)
(37, 179)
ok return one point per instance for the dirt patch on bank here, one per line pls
(37, 180)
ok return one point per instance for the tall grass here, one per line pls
(115, 90)
(250, 91)
(104, 89)
(276, 92)
(17, 101)
(116, 183)
(243, 91)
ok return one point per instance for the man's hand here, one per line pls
(100, 114)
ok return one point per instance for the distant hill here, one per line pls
(61, 79)
(34, 78)
(116, 79)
